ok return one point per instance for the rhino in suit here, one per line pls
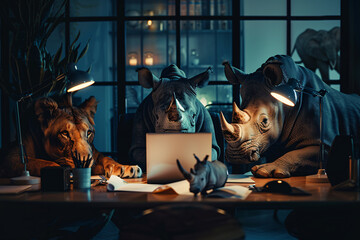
(172, 106)
(287, 136)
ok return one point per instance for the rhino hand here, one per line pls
(270, 170)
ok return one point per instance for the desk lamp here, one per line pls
(286, 93)
(75, 80)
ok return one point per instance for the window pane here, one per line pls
(215, 94)
(149, 8)
(205, 7)
(80, 8)
(268, 8)
(335, 86)
(315, 8)
(105, 120)
(263, 39)
(102, 50)
(152, 46)
(201, 48)
(299, 27)
(134, 96)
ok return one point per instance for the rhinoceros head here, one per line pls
(258, 123)
(174, 98)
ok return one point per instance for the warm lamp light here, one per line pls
(286, 93)
(133, 59)
(149, 59)
(77, 79)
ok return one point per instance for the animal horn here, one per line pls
(173, 97)
(178, 104)
(206, 158)
(197, 159)
(234, 75)
(187, 175)
(231, 132)
(239, 116)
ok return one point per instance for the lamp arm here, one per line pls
(18, 126)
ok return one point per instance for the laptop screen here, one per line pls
(162, 150)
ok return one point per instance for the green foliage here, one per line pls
(32, 67)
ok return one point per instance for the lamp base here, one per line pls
(320, 177)
(25, 179)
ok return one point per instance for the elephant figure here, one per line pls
(319, 49)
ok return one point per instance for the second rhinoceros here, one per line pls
(172, 106)
(287, 136)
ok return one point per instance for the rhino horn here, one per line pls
(234, 75)
(202, 79)
(231, 132)
(239, 116)
(147, 79)
(197, 159)
(187, 175)
(206, 158)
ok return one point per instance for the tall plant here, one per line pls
(32, 67)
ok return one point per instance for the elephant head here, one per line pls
(319, 50)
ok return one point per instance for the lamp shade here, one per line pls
(77, 79)
(285, 94)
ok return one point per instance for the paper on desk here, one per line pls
(117, 184)
(239, 178)
(14, 189)
(238, 192)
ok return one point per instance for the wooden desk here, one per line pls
(322, 196)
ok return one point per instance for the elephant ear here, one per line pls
(315, 44)
(273, 73)
(147, 79)
(336, 34)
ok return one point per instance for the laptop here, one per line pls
(162, 150)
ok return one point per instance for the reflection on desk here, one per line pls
(322, 196)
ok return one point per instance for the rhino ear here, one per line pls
(147, 79)
(233, 74)
(45, 110)
(273, 73)
(90, 107)
(202, 79)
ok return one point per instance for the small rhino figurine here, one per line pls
(207, 175)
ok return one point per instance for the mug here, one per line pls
(82, 178)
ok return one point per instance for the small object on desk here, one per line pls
(205, 176)
(82, 178)
(279, 186)
(13, 189)
(239, 178)
(238, 192)
(82, 163)
(55, 179)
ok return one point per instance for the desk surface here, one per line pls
(322, 196)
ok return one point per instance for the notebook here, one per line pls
(162, 150)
